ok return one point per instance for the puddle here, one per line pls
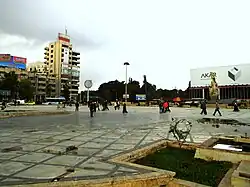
(222, 121)
(231, 145)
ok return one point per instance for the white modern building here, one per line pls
(233, 81)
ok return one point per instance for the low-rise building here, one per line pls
(43, 83)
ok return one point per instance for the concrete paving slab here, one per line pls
(34, 157)
(40, 136)
(94, 145)
(82, 138)
(108, 152)
(53, 149)
(42, 172)
(82, 151)
(104, 140)
(125, 169)
(31, 147)
(61, 137)
(67, 160)
(97, 165)
(12, 180)
(46, 141)
(128, 141)
(10, 155)
(84, 173)
(69, 143)
(11, 167)
(9, 145)
(71, 134)
(121, 146)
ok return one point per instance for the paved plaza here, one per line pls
(41, 148)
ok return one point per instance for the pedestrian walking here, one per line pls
(203, 107)
(236, 108)
(92, 109)
(77, 106)
(217, 109)
(124, 110)
(98, 105)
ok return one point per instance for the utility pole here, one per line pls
(126, 81)
(145, 87)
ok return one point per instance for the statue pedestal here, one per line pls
(213, 99)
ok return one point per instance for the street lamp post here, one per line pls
(126, 82)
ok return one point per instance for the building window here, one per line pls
(52, 46)
(51, 61)
(62, 50)
(51, 51)
(62, 55)
(51, 56)
(51, 71)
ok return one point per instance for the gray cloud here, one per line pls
(40, 21)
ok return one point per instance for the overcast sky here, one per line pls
(162, 39)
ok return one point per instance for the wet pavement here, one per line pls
(36, 149)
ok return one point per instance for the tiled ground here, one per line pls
(38, 144)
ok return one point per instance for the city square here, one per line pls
(34, 149)
(124, 93)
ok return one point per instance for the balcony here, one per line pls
(73, 90)
(46, 53)
(46, 48)
(74, 53)
(75, 57)
(75, 78)
(46, 57)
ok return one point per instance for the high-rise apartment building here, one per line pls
(63, 63)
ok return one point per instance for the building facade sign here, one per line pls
(19, 59)
(65, 61)
(225, 75)
(5, 58)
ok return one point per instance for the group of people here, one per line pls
(203, 105)
(94, 105)
(164, 107)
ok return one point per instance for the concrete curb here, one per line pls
(33, 113)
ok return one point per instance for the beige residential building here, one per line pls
(43, 83)
(63, 63)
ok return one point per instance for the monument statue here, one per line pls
(213, 88)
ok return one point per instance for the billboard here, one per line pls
(140, 97)
(5, 58)
(225, 75)
(19, 60)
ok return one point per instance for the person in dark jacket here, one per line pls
(236, 108)
(217, 108)
(92, 108)
(203, 107)
(77, 106)
(124, 110)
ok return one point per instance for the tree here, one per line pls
(10, 82)
(26, 90)
(149, 89)
(66, 92)
(112, 90)
(133, 89)
(48, 90)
